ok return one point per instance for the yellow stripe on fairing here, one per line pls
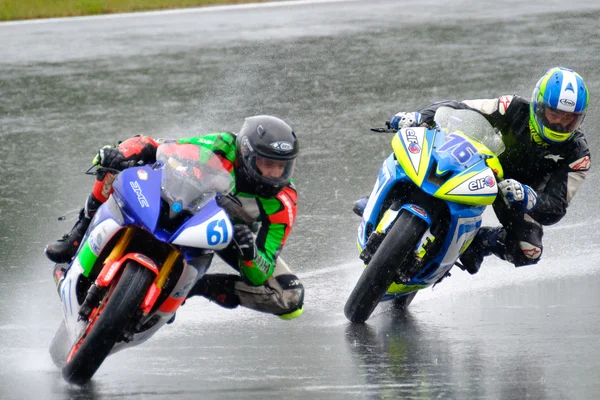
(400, 288)
(404, 159)
(453, 183)
(492, 162)
(385, 220)
(466, 245)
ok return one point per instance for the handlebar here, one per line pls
(387, 129)
(122, 166)
(384, 130)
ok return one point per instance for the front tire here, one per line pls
(106, 326)
(398, 244)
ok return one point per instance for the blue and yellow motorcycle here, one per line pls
(425, 208)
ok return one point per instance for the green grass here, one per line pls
(28, 9)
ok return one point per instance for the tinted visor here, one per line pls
(276, 170)
(558, 120)
(268, 170)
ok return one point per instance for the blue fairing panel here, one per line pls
(207, 212)
(140, 190)
(389, 174)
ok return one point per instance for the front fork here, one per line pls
(386, 223)
(113, 264)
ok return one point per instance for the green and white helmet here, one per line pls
(558, 105)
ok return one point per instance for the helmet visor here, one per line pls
(276, 171)
(268, 170)
(558, 120)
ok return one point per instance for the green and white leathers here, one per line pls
(558, 105)
(276, 214)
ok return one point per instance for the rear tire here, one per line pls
(398, 244)
(105, 329)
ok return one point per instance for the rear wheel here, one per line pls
(398, 244)
(106, 324)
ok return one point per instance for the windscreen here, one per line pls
(472, 124)
(192, 175)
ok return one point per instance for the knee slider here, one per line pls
(293, 295)
(292, 315)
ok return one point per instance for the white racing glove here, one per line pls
(405, 120)
(518, 196)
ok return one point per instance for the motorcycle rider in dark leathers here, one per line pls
(261, 157)
(545, 162)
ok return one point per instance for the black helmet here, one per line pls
(266, 149)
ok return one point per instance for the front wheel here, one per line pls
(107, 323)
(398, 244)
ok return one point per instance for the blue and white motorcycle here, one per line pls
(425, 208)
(145, 249)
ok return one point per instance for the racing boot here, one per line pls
(219, 288)
(63, 250)
(359, 206)
(486, 242)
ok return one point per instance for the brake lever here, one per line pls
(384, 130)
(94, 169)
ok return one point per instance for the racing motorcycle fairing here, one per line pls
(164, 204)
(449, 166)
(209, 228)
(445, 175)
(138, 193)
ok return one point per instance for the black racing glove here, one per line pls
(110, 157)
(243, 240)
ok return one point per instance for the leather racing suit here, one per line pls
(554, 171)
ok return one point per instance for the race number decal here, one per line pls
(460, 148)
(216, 232)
